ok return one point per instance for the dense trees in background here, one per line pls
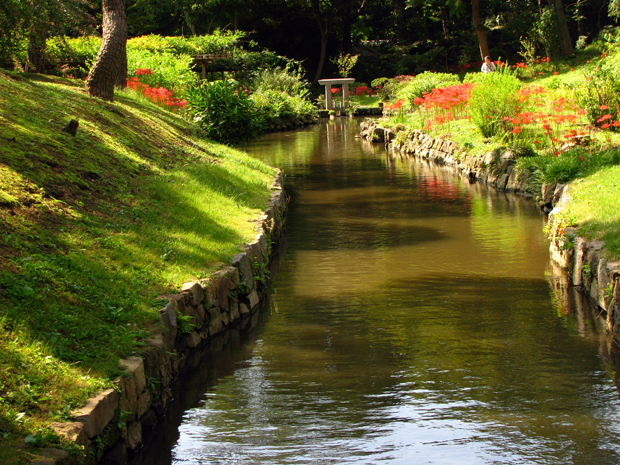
(29, 23)
(391, 36)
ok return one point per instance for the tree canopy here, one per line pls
(391, 36)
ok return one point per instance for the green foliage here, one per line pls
(425, 83)
(493, 98)
(544, 36)
(218, 42)
(170, 71)
(601, 95)
(276, 107)
(345, 63)
(23, 22)
(567, 166)
(82, 48)
(243, 65)
(288, 80)
(185, 323)
(222, 111)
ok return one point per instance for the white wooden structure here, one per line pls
(328, 83)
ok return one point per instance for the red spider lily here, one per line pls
(160, 96)
(604, 118)
(446, 97)
(143, 71)
(394, 106)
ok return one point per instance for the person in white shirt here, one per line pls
(488, 66)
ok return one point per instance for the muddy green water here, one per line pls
(412, 322)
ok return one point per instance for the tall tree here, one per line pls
(324, 16)
(482, 37)
(565, 40)
(457, 8)
(112, 56)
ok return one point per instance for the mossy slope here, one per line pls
(93, 229)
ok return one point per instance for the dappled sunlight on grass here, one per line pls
(94, 228)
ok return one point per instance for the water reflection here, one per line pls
(411, 322)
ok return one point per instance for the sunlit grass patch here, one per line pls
(595, 206)
(94, 229)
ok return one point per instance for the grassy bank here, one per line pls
(93, 230)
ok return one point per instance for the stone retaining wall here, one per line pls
(111, 424)
(583, 261)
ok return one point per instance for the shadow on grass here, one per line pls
(83, 274)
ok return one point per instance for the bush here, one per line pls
(287, 80)
(565, 167)
(276, 107)
(492, 99)
(222, 111)
(169, 70)
(79, 49)
(425, 83)
(601, 96)
(217, 42)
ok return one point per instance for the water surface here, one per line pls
(412, 322)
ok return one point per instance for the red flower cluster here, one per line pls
(143, 71)
(445, 97)
(160, 96)
(363, 90)
(394, 106)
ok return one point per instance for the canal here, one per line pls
(412, 321)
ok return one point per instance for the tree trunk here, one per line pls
(567, 44)
(112, 54)
(190, 23)
(482, 37)
(121, 77)
(324, 27)
(324, 40)
(36, 53)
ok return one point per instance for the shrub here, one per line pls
(214, 43)
(169, 70)
(425, 83)
(82, 48)
(567, 166)
(222, 111)
(276, 107)
(600, 98)
(287, 80)
(493, 99)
